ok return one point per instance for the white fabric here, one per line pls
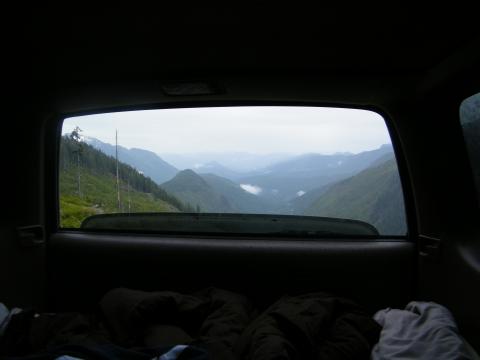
(424, 330)
(5, 316)
(173, 353)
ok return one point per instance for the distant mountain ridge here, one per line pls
(240, 162)
(310, 171)
(312, 165)
(218, 169)
(145, 161)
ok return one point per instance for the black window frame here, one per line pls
(52, 151)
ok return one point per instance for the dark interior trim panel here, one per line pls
(82, 267)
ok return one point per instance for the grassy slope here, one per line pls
(99, 196)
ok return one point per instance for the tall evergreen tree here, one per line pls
(76, 138)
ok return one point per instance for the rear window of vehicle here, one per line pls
(265, 170)
(470, 121)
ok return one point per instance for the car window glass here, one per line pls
(280, 170)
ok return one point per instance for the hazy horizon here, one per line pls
(237, 161)
(256, 131)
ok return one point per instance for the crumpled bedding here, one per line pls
(313, 326)
(213, 324)
(212, 318)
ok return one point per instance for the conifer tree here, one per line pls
(76, 137)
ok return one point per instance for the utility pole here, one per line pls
(118, 180)
(78, 173)
(128, 190)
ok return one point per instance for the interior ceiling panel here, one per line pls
(104, 43)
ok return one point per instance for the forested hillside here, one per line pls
(88, 186)
(374, 195)
(193, 189)
(146, 161)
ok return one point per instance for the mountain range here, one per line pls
(364, 186)
(241, 162)
(288, 179)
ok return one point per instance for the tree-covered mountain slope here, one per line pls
(373, 195)
(191, 188)
(145, 161)
(87, 186)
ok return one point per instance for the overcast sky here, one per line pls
(258, 130)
